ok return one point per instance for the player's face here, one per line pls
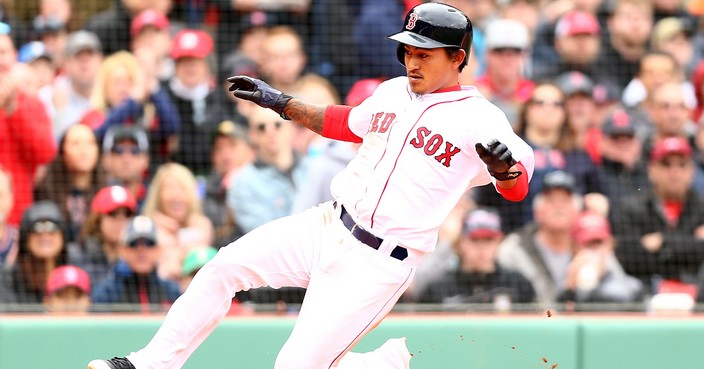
(430, 70)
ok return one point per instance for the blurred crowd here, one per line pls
(125, 164)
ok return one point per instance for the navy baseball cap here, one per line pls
(559, 180)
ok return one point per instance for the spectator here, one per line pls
(73, 177)
(61, 10)
(36, 56)
(113, 24)
(25, 133)
(504, 83)
(68, 291)
(128, 92)
(134, 279)
(120, 75)
(265, 190)
(543, 125)
(317, 90)
(625, 171)
(542, 249)
(669, 114)
(42, 248)
(629, 26)
(70, 96)
(594, 274)
(577, 45)
(192, 91)
(673, 35)
(480, 278)
(126, 159)
(150, 30)
(110, 211)
(231, 152)
(173, 204)
(284, 58)
(8, 232)
(51, 31)
(579, 106)
(248, 53)
(654, 70)
(660, 231)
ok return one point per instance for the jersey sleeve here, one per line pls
(360, 117)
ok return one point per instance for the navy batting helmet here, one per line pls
(434, 25)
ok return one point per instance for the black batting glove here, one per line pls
(260, 93)
(498, 160)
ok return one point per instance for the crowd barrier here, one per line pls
(470, 341)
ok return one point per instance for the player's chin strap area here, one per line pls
(365, 237)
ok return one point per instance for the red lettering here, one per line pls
(388, 118)
(419, 140)
(450, 150)
(433, 144)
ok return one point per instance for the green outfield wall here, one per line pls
(437, 342)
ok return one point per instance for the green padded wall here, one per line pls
(454, 342)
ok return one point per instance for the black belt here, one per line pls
(367, 238)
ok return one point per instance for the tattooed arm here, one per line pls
(308, 115)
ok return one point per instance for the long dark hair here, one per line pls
(568, 136)
(56, 185)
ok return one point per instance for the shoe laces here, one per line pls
(121, 363)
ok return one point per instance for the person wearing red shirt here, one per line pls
(26, 139)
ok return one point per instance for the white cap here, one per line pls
(506, 33)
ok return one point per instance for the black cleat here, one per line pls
(114, 363)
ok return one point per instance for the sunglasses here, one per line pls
(554, 103)
(141, 242)
(507, 50)
(124, 149)
(261, 127)
(45, 226)
(120, 212)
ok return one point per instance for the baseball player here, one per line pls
(425, 141)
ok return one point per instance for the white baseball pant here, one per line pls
(351, 287)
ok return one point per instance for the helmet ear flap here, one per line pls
(401, 53)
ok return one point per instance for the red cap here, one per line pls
(111, 198)
(590, 227)
(670, 146)
(191, 43)
(361, 90)
(68, 276)
(148, 18)
(575, 23)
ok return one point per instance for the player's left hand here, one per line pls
(260, 93)
(498, 160)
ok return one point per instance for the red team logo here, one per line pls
(412, 21)
(433, 143)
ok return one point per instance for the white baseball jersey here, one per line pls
(418, 157)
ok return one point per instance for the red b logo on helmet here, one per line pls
(412, 21)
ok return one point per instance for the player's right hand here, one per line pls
(260, 93)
